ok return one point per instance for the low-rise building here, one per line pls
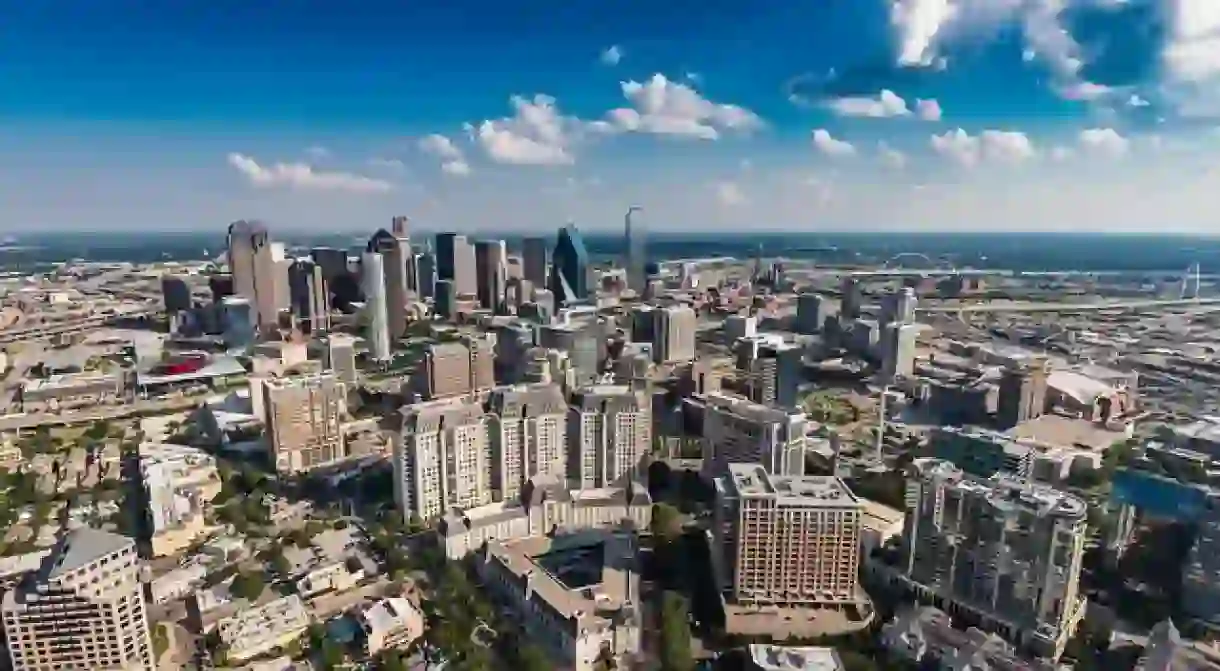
(543, 510)
(180, 482)
(926, 635)
(260, 630)
(792, 658)
(390, 623)
(576, 596)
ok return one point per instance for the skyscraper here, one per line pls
(610, 431)
(852, 297)
(241, 256)
(528, 435)
(442, 457)
(303, 421)
(394, 251)
(491, 269)
(570, 267)
(673, 334)
(270, 280)
(83, 609)
(533, 260)
(455, 262)
(176, 294)
(308, 293)
(425, 270)
(377, 330)
(445, 302)
(787, 540)
(1005, 549)
(635, 247)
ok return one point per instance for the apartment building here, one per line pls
(528, 436)
(83, 609)
(786, 540)
(180, 482)
(459, 367)
(609, 432)
(1003, 551)
(739, 431)
(303, 421)
(443, 457)
(673, 333)
(260, 630)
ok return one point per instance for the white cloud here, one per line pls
(440, 146)
(665, 107)
(1104, 142)
(886, 104)
(825, 143)
(453, 159)
(459, 168)
(536, 134)
(1192, 53)
(302, 176)
(730, 194)
(890, 157)
(1009, 147)
(1059, 154)
(1136, 101)
(612, 55)
(1084, 91)
(928, 110)
(917, 23)
(317, 152)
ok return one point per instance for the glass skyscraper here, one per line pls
(570, 267)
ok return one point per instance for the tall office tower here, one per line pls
(635, 247)
(737, 430)
(570, 267)
(83, 609)
(455, 262)
(241, 256)
(784, 540)
(809, 313)
(898, 349)
(609, 432)
(533, 260)
(237, 318)
(1022, 393)
(425, 268)
(904, 306)
(528, 436)
(442, 458)
(491, 269)
(773, 371)
(673, 334)
(270, 281)
(853, 297)
(308, 292)
(339, 358)
(445, 303)
(303, 421)
(221, 285)
(376, 308)
(175, 293)
(740, 326)
(333, 262)
(394, 252)
(1006, 549)
(583, 342)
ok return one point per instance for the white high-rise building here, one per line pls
(529, 436)
(83, 609)
(443, 457)
(609, 432)
(1004, 548)
(376, 306)
(737, 430)
(673, 334)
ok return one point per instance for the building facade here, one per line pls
(303, 421)
(609, 432)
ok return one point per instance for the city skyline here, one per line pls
(871, 115)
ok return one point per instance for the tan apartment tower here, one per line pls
(303, 421)
(83, 609)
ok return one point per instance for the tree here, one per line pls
(531, 658)
(160, 640)
(675, 646)
(247, 586)
(666, 522)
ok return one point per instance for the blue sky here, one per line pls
(1060, 115)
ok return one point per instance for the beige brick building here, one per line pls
(786, 540)
(83, 609)
(303, 421)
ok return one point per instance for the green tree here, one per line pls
(675, 644)
(532, 658)
(666, 522)
(247, 585)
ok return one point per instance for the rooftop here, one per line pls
(784, 658)
(83, 547)
(752, 480)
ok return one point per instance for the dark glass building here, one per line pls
(570, 267)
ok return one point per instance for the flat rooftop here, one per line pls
(753, 481)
